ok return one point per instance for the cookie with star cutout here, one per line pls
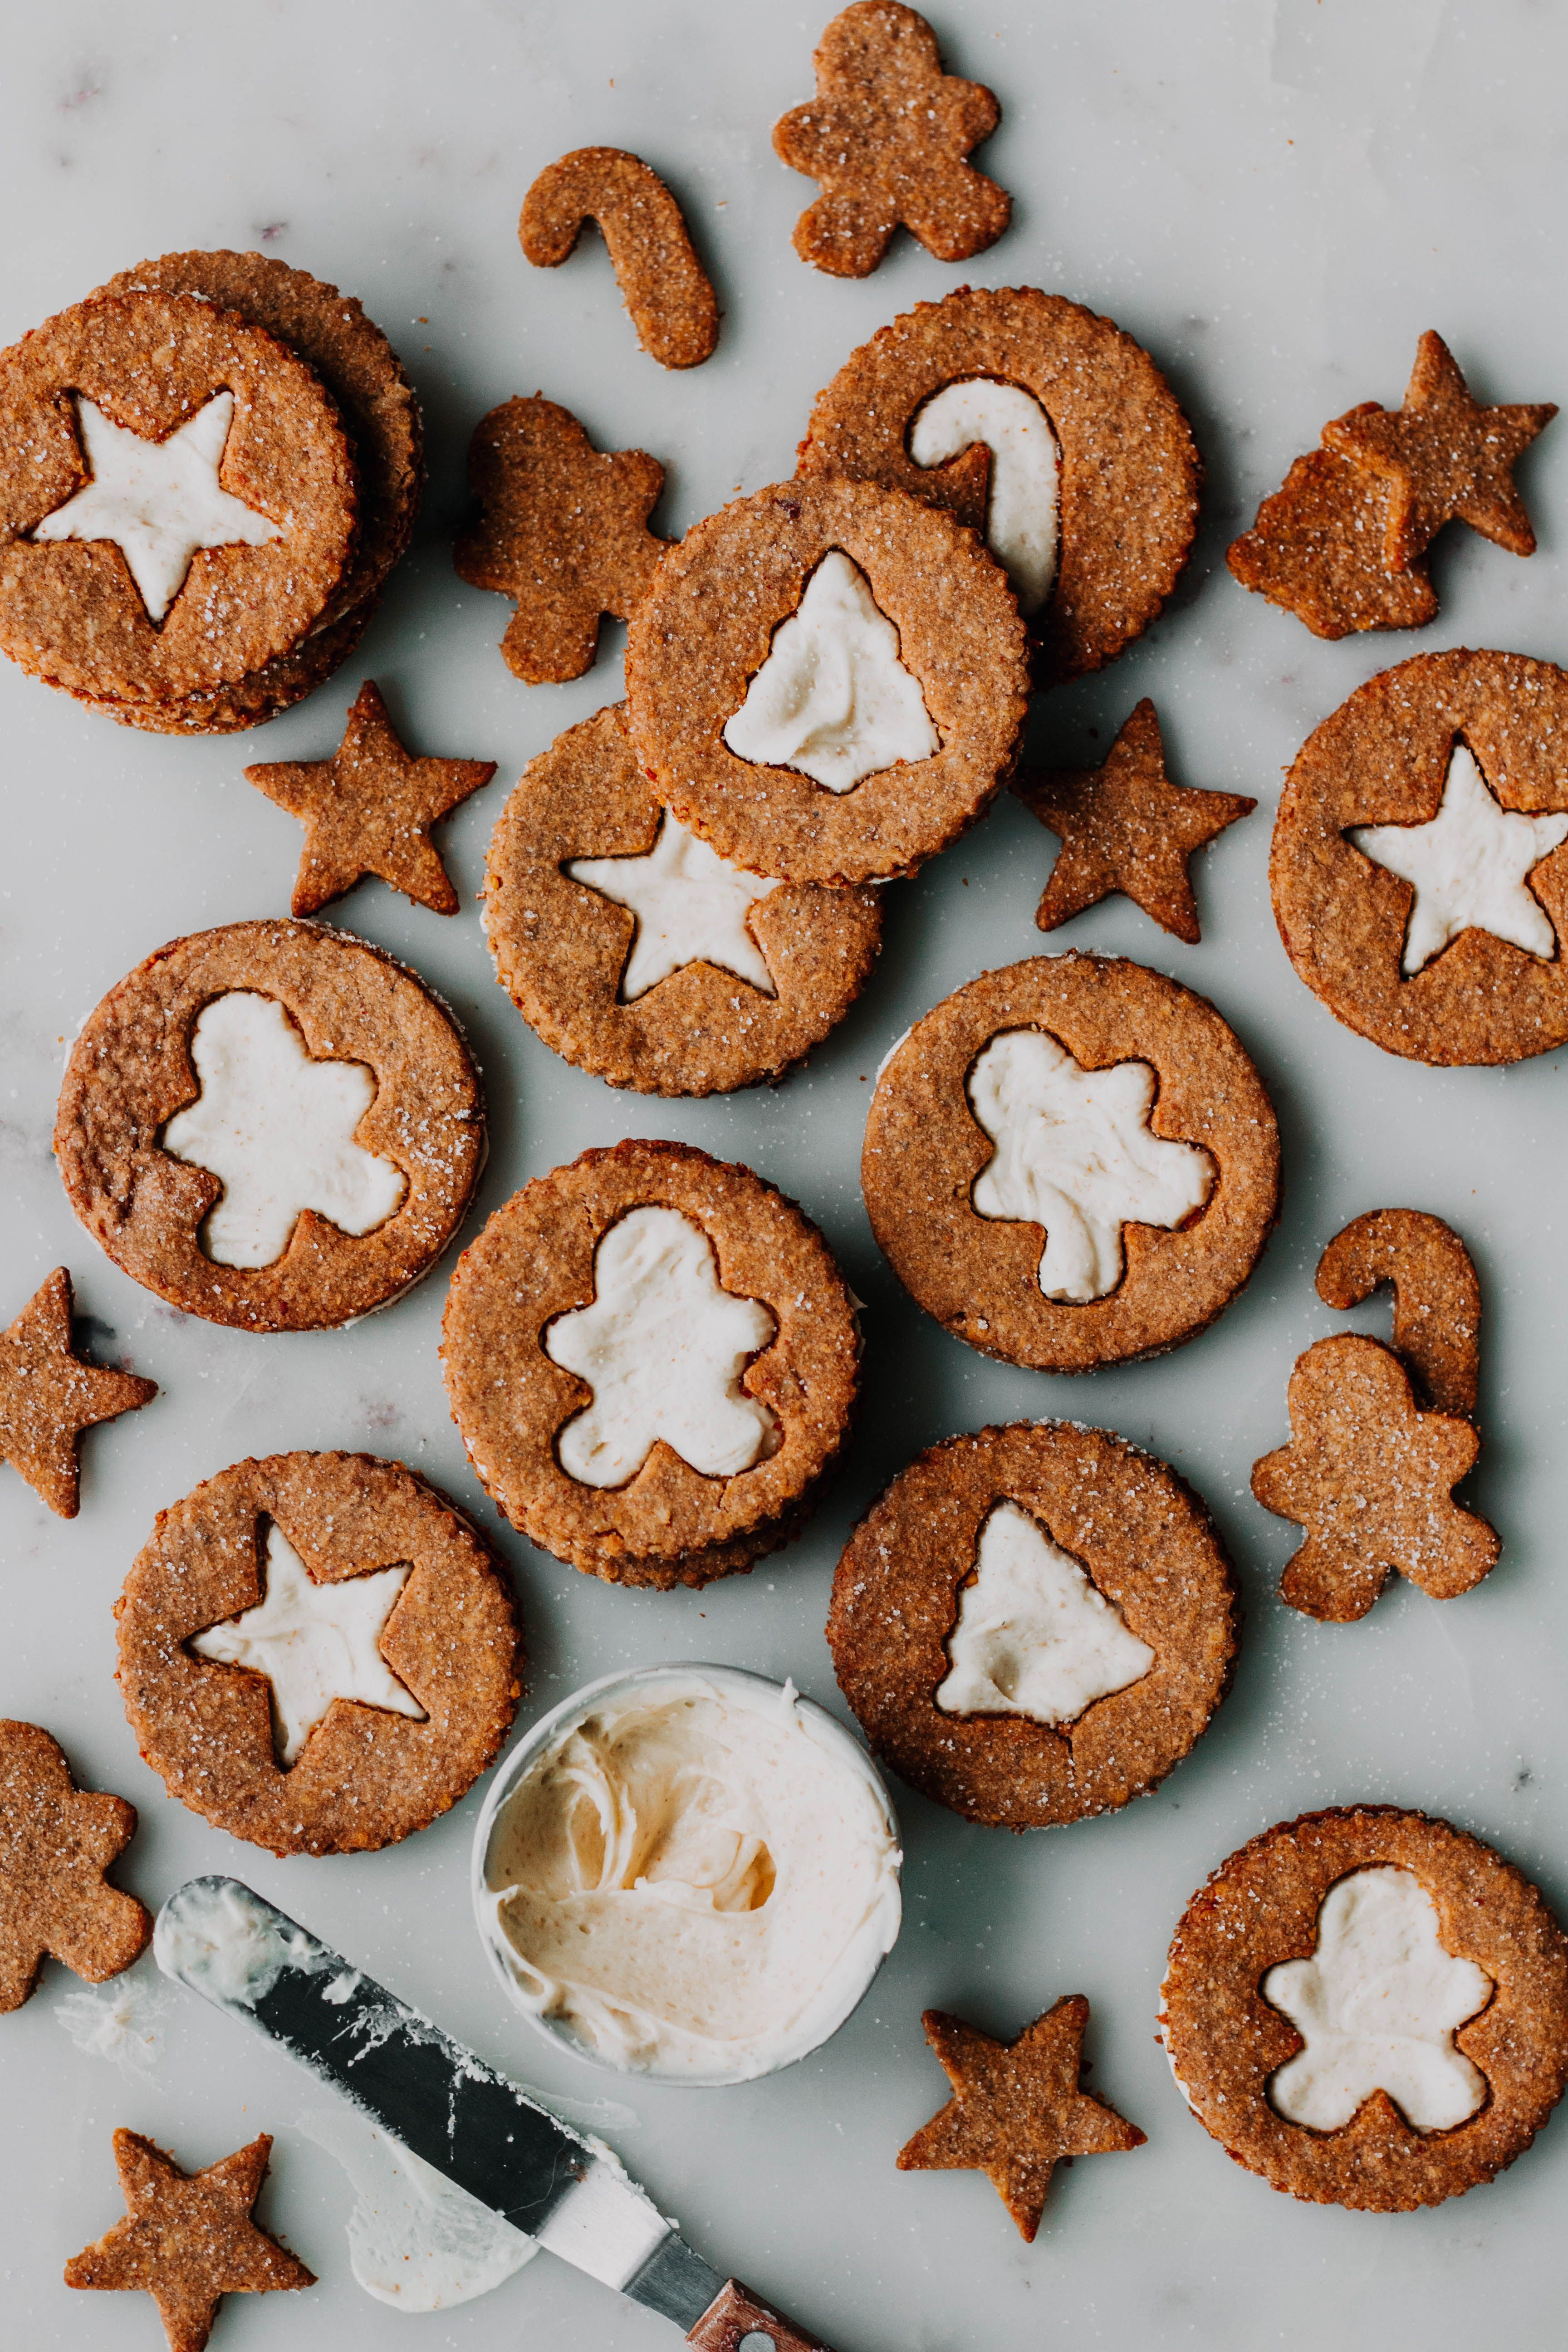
(1368, 2008)
(318, 1653)
(653, 1361)
(827, 681)
(178, 498)
(1071, 1162)
(1034, 1624)
(637, 953)
(56, 1843)
(1419, 868)
(272, 1125)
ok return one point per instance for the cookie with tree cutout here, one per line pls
(1369, 2008)
(271, 1125)
(1071, 1162)
(1047, 432)
(1419, 868)
(636, 951)
(653, 1360)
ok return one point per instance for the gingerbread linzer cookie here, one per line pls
(1034, 1624)
(652, 1360)
(317, 1653)
(1071, 1162)
(827, 681)
(272, 1125)
(49, 1394)
(1370, 1471)
(637, 953)
(57, 1842)
(1368, 2008)
(664, 286)
(1046, 430)
(1419, 868)
(178, 497)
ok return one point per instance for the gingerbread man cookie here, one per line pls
(56, 1844)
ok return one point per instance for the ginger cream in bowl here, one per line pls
(689, 1873)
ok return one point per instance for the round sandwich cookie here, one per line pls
(1368, 2009)
(271, 1125)
(1420, 861)
(178, 498)
(1034, 1624)
(1070, 1162)
(318, 1653)
(653, 1359)
(1044, 428)
(636, 951)
(827, 681)
(276, 686)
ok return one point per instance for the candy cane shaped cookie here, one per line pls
(662, 283)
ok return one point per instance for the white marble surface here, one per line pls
(1278, 201)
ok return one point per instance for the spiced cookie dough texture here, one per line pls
(1034, 1624)
(1046, 431)
(636, 951)
(178, 498)
(1070, 1162)
(57, 1842)
(653, 1360)
(271, 1125)
(826, 681)
(1419, 868)
(664, 286)
(1368, 2008)
(49, 1394)
(318, 1653)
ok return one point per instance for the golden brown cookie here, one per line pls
(664, 286)
(49, 1394)
(929, 1166)
(562, 529)
(646, 965)
(1129, 473)
(1436, 1298)
(252, 700)
(744, 1355)
(188, 2239)
(152, 365)
(369, 810)
(344, 1003)
(56, 1844)
(887, 135)
(707, 624)
(1396, 755)
(366, 1774)
(1125, 826)
(1229, 2042)
(1148, 1548)
(1316, 549)
(1016, 2110)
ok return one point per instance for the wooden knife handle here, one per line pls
(736, 2321)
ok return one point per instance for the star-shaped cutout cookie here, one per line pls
(1016, 2109)
(1444, 455)
(56, 1843)
(48, 1396)
(1125, 826)
(187, 2239)
(691, 906)
(369, 810)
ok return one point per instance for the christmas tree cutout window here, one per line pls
(1035, 1636)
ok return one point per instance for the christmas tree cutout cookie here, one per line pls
(691, 906)
(369, 810)
(188, 2239)
(1125, 826)
(56, 1844)
(1035, 1636)
(1016, 2110)
(49, 1395)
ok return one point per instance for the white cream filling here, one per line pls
(1035, 1636)
(1377, 2005)
(1075, 1153)
(695, 1881)
(158, 500)
(314, 1642)
(1468, 866)
(690, 906)
(663, 1347)
(416, 2241)
(1023, 504)
(832, 698)
(277, 1130)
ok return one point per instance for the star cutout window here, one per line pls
(691, 907)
